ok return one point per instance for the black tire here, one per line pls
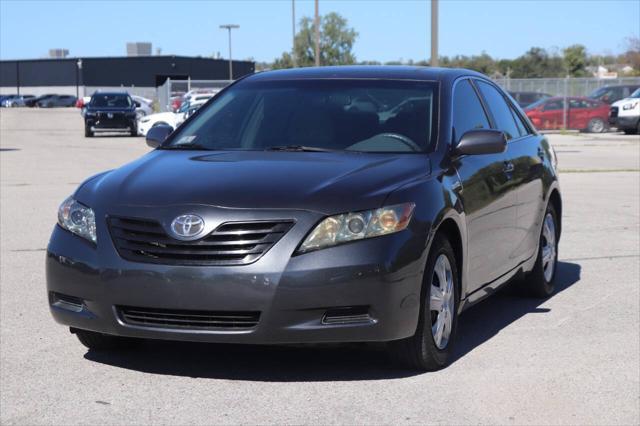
(536, 283)
(103, 342)
(420, 351)
(630, 131)
(596, 125)
(87, 132)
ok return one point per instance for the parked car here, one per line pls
(625, 114)
(280, 213)
(83, 101)
(172, 119)
(611, 94)
(583, 114)
(175, 100)
(143, 106)
(15, 100)
(53, 101)
(110, 112)
(524, 99)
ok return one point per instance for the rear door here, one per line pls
(551, 115)
(483, 193)
(524, 154)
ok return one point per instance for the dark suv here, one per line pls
(334, 204)
(611, 94)
(110, 112)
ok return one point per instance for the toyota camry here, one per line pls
(337, 204)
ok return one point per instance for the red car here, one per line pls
(583, 114)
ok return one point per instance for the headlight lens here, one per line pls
(347, 227)
(76, 218)
(630, 106)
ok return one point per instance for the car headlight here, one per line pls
(346, 227)
(78, 219)
(627, 107)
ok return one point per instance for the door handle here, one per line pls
(508, 167)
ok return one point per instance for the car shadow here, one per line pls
(295, 363)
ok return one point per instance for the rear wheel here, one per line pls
(539, 282)
(431, 346)
(596, 125)
(102, 342)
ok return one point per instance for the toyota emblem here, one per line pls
(187, 226)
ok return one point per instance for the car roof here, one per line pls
(111, 93)
(391, 72)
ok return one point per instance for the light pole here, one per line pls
(316, 24)
(78, 77)
(293, 24)
(230, 27)
(434, 33)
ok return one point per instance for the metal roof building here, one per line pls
(138, 74)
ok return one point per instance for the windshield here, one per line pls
(635, 94)
(356, 115)
(111, 101)
(537, 103)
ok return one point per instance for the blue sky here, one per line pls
(389, 30)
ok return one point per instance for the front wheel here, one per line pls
(539, 282)
(88, 133)
(596, 125)
(431, 346)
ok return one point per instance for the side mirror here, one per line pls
(137, 104)
(482, 141)
(157, 134)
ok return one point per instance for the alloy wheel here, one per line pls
(442, 301)
(548, 247)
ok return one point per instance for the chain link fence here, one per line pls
(563, 86)
(179, 87)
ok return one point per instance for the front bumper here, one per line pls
(624, 122)
(292, 292)
(112, 125)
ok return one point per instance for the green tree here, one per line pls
(536, 63)
(575, 60)
(336, 43)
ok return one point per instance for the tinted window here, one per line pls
(356, 115)
(499, 109)
(111, 100)
(468, 113)
(522, 129)
(554, 105)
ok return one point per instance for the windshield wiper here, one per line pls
(187, 147)
(298, 148)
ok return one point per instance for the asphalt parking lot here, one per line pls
(572, 359)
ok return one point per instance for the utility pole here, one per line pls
(293, 26)
(316, 22)
(230, 27)
(434, 33)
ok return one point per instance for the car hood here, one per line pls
(162, 116)
(329, 182)
(621, 102)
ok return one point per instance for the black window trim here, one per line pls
(487, 115)
(526, 123)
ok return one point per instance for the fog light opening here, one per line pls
(347, 315)
(69, 303)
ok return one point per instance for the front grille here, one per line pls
(186, 319)
(614, 112)
(232, 243)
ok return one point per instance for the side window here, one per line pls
(522, 129)
(468, 113)
(499, 109)
(554, 105)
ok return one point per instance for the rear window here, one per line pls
(340, 114)
(111, 101)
